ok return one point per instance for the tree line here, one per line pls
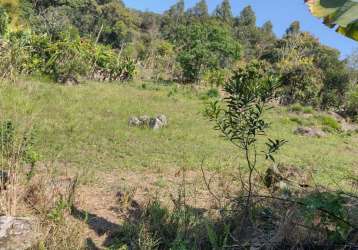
(185, 45)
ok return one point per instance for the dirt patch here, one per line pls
(117, 197)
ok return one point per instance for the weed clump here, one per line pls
(296, 108)
(329, 123)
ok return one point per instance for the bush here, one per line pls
(308, 110)
(69, 60)
(301, 80)
(107, 65)
(352, 101)
(65, 60)
(216, 77)
(211, 93)
(335, 86)
(19, 147)
(14, 54)
(296, 108)
(327, 207)
(297, 120)
(330, 123)
(4, 22)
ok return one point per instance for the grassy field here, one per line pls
(86, 127)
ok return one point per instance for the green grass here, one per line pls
(296, 108)
(330, 122)
(86, 127)
(308, 110)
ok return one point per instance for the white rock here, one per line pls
(17, 233)
(163, 119)
(134, 121)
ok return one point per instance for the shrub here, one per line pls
(14, 55)
(330, 122)
(108, 65)
(308, 110)
(4, 22)
(352, 101)
(296, 108)
(211, 93)
(64, 60)
(335, 86)
(332, 214)
(17, 147)
(301, 79)
(216, 77)
(297, 120)
(240, 116)
(68, 60)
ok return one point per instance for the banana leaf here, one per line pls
(339, 14)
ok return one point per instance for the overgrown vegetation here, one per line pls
(81, 40)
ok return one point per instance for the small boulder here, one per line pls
(311, 132)
(145, 121)
(17, 233)
(134, 121)
(163, 119)
(155, 123)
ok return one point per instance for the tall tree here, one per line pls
(205, 46)
(177, 10)
(224, 12)
(294, 28)
(171, 19)
(247, 17)
(265, 39)
(200, 10)
(247, 32)
(267, 28)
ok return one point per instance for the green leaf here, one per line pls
(341, 13)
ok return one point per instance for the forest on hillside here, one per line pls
(70, 41)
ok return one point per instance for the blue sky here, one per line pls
(280, 12)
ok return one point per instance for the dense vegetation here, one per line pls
(104, 40)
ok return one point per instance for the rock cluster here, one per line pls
(145, 121)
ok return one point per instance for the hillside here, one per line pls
(185, 130)
(86, 127)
